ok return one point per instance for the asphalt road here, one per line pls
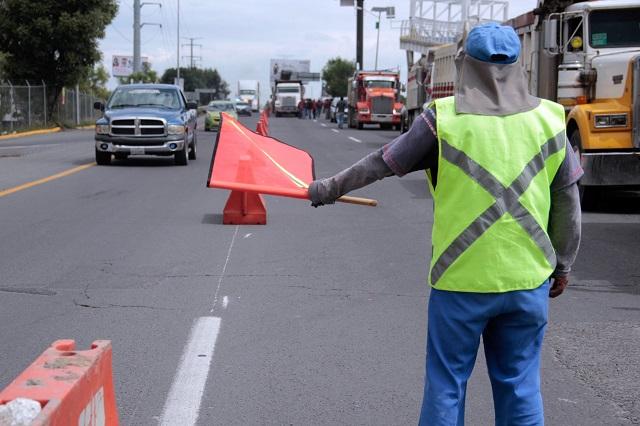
(319, 317)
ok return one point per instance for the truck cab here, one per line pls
(287, 95)
(597, 48)
(374, 99)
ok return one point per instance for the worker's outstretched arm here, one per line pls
(409, 152)
(368, 170)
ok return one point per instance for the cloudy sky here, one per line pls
(240, 37)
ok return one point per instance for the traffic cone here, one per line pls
(72, 387)
(245, 208)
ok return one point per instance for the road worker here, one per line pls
(506, 226)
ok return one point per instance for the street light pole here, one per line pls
(359, 23)
(378, 40)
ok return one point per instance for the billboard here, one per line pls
(122, 66)
(289, 66)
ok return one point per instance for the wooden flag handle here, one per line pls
(357, 200)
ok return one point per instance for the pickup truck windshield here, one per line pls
(379, 83)
(288, 90)
(136, 97)
(614, 28)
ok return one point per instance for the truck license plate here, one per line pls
(137, 151)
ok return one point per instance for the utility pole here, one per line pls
(191, 43)
(178, 55)
(137, 26)
(359, 23)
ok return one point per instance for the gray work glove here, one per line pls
(319, 194)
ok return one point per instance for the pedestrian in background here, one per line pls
(319, 108)
(506, 226)
(340, 107)
(301, 108)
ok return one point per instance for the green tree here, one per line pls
(147, 75)
(96, 82)
(53, 40)
(197, 78)
(335, 73)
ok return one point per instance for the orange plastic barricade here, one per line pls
(244, 208)
(73, 387)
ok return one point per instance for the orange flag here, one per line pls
(246, 161)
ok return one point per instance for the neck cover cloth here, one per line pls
(487, 88)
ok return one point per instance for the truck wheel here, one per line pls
(277, 114)
(194, 147)
(181, 158)
(360, 126)
(103, 158)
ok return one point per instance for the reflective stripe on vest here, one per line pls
(507, 200)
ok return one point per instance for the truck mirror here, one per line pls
(551, 36)
(192, 105)
(98, 106)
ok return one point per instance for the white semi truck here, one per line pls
(249, 92)
(584, 55)
(286, 96)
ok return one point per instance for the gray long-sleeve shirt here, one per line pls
(418, 150)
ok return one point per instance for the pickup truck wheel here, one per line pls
(181, 158)
(103, 158)
(194, 148)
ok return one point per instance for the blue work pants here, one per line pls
(512, 327)
(340, 119)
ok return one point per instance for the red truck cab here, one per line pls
(374, 99)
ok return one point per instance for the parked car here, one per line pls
(243, 108)
(212, 119)
(332, 110)
(146, 119)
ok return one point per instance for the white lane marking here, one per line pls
(248, 235)
(183, 403)
(323, 125)
(335, 130)
(567, 400)
(224, 268)
(315, 121)
(354, 139)
(225, 302)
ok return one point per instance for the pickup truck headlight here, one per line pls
(175, 129)
(102, 129)
(610, 120)
(363, 110)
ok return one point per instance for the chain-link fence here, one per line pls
(26, 107)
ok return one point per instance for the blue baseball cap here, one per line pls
(494, 43)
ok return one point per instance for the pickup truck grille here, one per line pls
(138, 127)
(635, 102)
(381, 105)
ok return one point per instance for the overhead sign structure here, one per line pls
(249, 162)
(122, 66)
(288, 69)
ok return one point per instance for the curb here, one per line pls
(30, 133)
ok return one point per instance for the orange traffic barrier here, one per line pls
(72, 387)
(244, 208)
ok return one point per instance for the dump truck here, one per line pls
(286, 96)
(584, 55)
(373, 98)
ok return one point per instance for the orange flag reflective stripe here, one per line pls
(246, 161)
